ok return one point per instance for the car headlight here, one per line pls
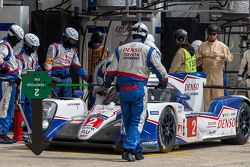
(49, 110)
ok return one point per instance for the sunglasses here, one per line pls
(212, 34)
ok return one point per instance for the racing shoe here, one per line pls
(4, 139)
(128, 156)
(139, 156)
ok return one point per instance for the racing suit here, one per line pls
(245, 69)
(58, 63)
(96, 53)
(212, 65)
(131, 64)
(26, 63)
(183, 62)
(7, 88)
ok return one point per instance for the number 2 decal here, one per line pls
(94, 122)
(191, 127)
(91, 122)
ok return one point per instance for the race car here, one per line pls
(175, 116)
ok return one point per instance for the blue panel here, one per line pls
(56, 125)
(183, 75)
(102, 29)
(157, 30)
(149, 132)
(5, 26)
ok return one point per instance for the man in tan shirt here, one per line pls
(184, 59)
(96, 52)
(245, 70)
(212, 54)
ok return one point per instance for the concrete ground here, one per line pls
(196, 155)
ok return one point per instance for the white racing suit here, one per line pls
(213, 66)
(26, 63)
(131, 64)
(58, 63)
(7, 85)
(245, 69)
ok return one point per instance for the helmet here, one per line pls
(71, 33)
(97, 37)
(180, 35)
(31, 43)
(212, 28)
(140, 29)
(31, 39)
(17, 31)
(196, 44)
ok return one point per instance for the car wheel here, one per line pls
(167, 130)
(243, 126)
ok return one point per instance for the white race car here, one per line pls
(175, 116)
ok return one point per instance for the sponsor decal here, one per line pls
(85, 132)
(122, 29)
(233, 114)
(118, 124)
(193, 94)
(73, 104)
(154, 112)
(211, 125)
(150, 143)
(66, 58)
(225, 115)
(191, 87)
(226, 123)
(212, 132)
(179, 128)
(132, 53)
(191, 127)
(76, 122)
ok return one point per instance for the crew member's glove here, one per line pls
(5, 69)
(162, 85)
(106, 84)
(56, 80)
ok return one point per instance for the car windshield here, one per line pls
(154, 96)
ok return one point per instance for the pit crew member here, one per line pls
(61, 57)
(131, 64)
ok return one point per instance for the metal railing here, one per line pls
(13, 2)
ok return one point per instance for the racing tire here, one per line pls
(167, 130)
(242, 126)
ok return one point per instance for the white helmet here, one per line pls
(17, 31)
(31, 39)
(72, 33)
(196, 44)
(140, 29)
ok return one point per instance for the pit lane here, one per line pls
(201, 154)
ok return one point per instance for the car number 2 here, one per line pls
(191, 127)
(94, 122)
